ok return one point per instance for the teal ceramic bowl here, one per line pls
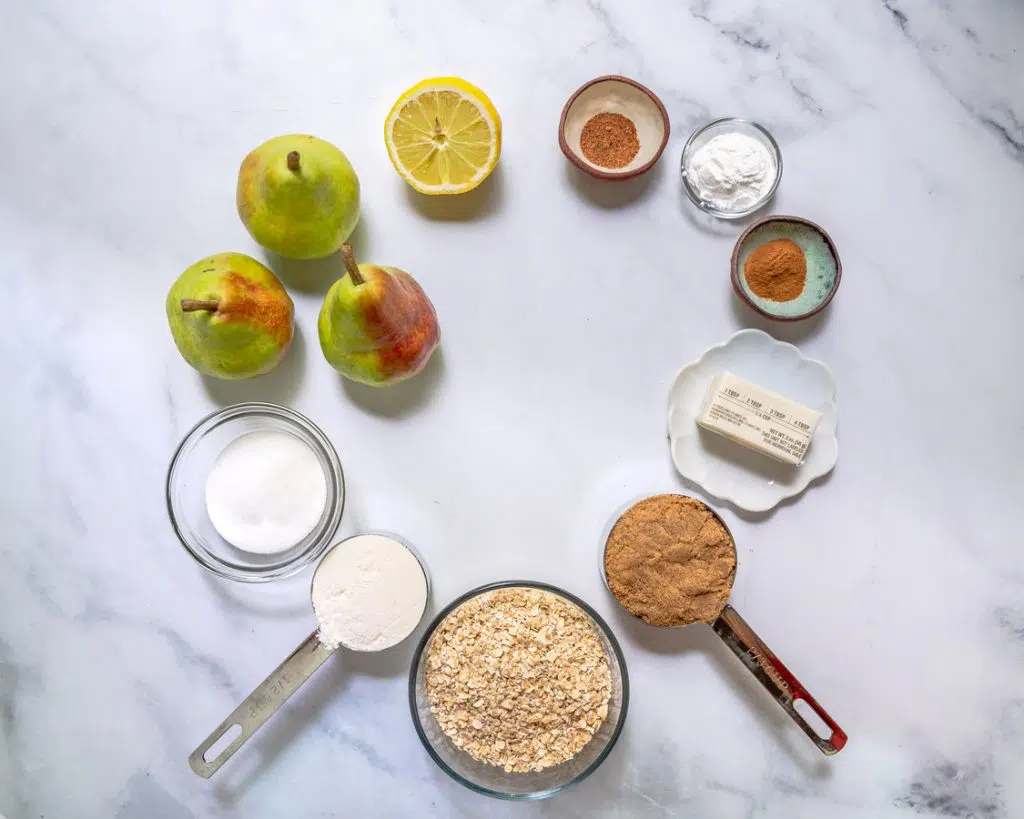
(824, 270)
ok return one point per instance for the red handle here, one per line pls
(779, 680)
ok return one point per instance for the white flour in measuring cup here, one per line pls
(369, 593)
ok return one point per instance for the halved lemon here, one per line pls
(443, 136)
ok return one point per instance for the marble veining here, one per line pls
(952, 790)
(953, 49)
(895, 590)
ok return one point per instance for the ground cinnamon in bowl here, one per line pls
(776, 270)
(670, 561)
(609, 140)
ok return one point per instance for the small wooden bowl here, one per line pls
(617, 95)
(824, 270)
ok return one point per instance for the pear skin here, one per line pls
(230, 317)
(377, 326)
(298, 196)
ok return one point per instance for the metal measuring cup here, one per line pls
(284, 680)
(760, 660)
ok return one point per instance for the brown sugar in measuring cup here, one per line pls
(670, 561)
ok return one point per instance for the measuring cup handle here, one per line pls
(773, 675)
(258, 707)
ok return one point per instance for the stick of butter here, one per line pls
(758, 419)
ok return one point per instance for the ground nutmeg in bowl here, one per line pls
(609, 140)
(518, 678)
(670, 561)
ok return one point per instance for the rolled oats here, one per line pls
(518, 678)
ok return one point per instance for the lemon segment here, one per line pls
(443, 136)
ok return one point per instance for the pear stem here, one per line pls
(293, 161)
(349, 257)
(194, 305)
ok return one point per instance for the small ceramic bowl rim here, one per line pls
(300, 561)
(691, 193)
(571, 155)
(620, 659)
(737, 285)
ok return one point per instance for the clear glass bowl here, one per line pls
(186, 485)
(699, 138)
(494, 781)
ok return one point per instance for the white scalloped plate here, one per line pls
(732, 472)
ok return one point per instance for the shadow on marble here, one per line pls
(757, 517)
(790, 738)
(721, 228)
(588, 798)
(640, 777)
(664, 640)
(307, 706)
(287, 598)
(315, 276)
(688, 487)
(700, 638)
(393, 662)
(606, 193)
(603, 787)
(402, 399)
(279, 387)
(294, 718)
(792, 331)
(464, 207)
(309, 276)
(143, 795)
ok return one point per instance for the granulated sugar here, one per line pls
(266, 492)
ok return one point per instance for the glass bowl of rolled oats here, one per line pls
(518, 690)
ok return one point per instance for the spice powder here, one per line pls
(609, 140)
(670, 561)
(776, 270)
(518, 678)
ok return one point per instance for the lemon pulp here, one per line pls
(443, 136)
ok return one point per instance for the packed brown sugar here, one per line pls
(670, 561)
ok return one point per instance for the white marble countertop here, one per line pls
(894, 589)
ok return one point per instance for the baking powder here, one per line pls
(731, 172)
(266, 492)
(369, 593)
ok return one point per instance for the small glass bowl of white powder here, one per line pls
(731, 167)
(255, 492)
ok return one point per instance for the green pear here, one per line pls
(377, 326)
(230, 316)
(298, 196)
